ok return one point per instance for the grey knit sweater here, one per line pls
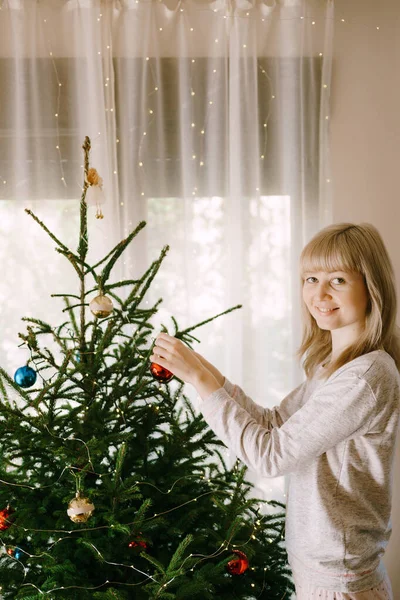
(336, 438)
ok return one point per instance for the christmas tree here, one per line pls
(111, 486)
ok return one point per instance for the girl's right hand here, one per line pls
(217, 374)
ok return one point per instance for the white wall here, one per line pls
(365, 133)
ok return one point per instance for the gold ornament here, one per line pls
(80, 509)
(101, 306)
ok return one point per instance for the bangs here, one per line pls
(329, 253)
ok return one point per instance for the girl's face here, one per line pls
(343, 293)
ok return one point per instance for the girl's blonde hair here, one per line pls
(359, 248)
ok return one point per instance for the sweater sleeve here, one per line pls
(268, 417)
(335, 412)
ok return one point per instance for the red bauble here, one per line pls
(5, 514)
(159, 373)
(239, 565)
(138, 543)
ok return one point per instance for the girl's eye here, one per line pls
(341, 280)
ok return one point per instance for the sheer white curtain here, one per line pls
(209, 120)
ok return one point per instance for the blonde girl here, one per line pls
(335, 434)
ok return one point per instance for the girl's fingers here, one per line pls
(163, 336)
(160, 352)
(162, 342)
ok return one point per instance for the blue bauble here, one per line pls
(25, 376)
(17, 553)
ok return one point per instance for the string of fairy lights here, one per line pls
(16, 555)
(105, 53)
(48, 31)
(224, 546)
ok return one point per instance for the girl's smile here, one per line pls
(326, 311)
